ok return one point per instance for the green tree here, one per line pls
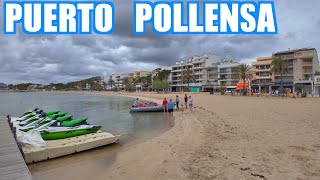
(244, 73)
(187, 77)
(278, 65)
(128, 84)
(145, 81)
(222, 89)
(164, 75)
(298, 87)
(97, 87)
(160, 85)
(111, 83)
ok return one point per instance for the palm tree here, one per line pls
(244, 73)
(187, 77)
(278, 65)
(126, 81)
(111, 82)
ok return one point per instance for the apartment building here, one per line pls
(199, 66)
(212, 77)
(117, 77)
(138, 74)
(263, 78)
(226, 72)
(302, 64)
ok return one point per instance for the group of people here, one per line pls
(169, 106)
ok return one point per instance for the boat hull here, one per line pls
(147, 109)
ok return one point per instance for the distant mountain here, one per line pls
(2, 85)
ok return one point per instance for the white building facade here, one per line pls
(226, 73)
(199, 66)
(118, 77)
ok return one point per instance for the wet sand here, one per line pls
(224, 138)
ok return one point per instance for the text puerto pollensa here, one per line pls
(176, 17)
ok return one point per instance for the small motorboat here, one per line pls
(147, 109)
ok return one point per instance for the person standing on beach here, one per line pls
(170, 107)
(177, 101)
(190, 103)
(186, 100)
(165, 105)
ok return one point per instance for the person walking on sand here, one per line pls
(177, 101)
(186, 100)
(165, 105)
(170, 107)
(190, 103)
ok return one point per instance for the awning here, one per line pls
(240, 86)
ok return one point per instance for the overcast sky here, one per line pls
(64, 58)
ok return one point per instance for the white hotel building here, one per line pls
(199, 65)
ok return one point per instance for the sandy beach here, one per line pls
(225, 137)
(228, 137)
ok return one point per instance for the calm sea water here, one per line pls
(111, 112)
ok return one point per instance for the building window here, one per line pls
(223, 70)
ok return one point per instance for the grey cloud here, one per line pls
(63, 58)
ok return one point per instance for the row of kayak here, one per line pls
(55, 124)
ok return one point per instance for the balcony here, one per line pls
(198, 61)
(198, 67)
(225, 79)
(290, 65)
(176, 80)
(198, 73)
(263, 77)
(305, 55)
(307, 64)
(176, 70)
(284, 74)
(176, 75)
(262, 70)
(226, 72)
(285, 57)
(307, 72)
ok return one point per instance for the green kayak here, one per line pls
(68, 132)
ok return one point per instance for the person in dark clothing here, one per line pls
(177, 101)
(186, 100)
